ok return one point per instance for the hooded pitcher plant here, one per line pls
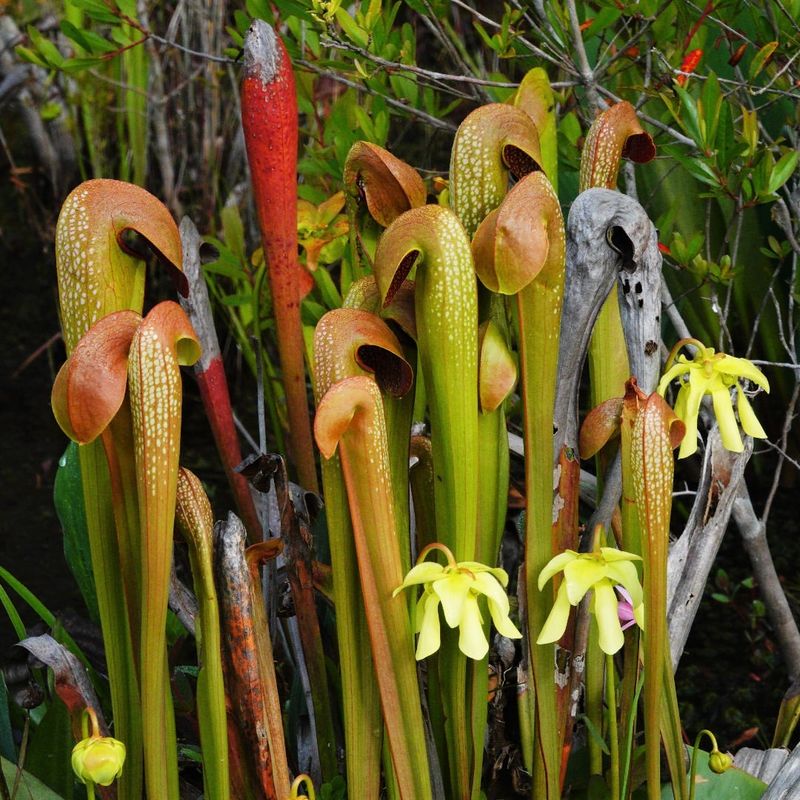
(650, 432)
(348, 343)
(386, 186)
(494, 143)
(124, 353)
(350, 419)
(101, 269)
(399, 317)
(195, 521)
(519, 249)
(615, 134)
(269, 121)
(432, 240)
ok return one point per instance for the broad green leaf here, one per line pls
(603, 20)
(68, 501)
(760, 59)
(30, 788)
(352, 29)
(782, 171)
(734, 784)
(49, 751)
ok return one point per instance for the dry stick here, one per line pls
(692, 556)
(754, 538)
(160, 125)
(587, 75)
(210, 373)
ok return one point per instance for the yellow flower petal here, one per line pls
(728, 427)
(453, 590)
(638, 615)
(555, 565)
(610, 633)
(429, 633)
(742, 368)
(497, 601)
(614, 554)
(580, 575)
(556, 622)
(750, 423)
(471, 640)
(693, 396)
(624, 573)
(477, 568)
(425, 572)
(673, 372)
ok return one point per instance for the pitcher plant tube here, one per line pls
(105, 230)
(269, 121)
(519, 250)
(350, 418)
(141, 357)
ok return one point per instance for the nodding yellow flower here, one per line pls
(708, 372)
(458, 587)
(600, 571)
(298, 781)
(98, 759)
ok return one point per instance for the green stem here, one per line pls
(104, 553)
(630, 724)
(695, 750)
(613, 740)
(594, 696)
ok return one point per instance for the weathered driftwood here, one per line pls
(776, 767)
(692, 555)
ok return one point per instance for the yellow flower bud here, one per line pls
(719, 762)
(98, 759)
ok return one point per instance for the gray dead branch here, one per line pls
(692, 555)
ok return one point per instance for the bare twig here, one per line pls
(428, 118)
(587, 75)
(754, 539)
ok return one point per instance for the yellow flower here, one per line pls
(457, 587)
(716, 374)
(601, 571)
(98, 759)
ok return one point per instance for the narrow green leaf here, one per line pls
(49, 52)
(31, 788)
(712, 104)
(689, 119)
(761, 58)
